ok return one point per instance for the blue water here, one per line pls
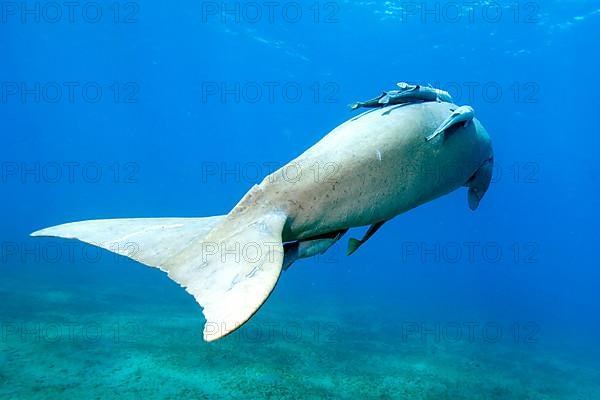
(180, 130)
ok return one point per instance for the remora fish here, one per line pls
(376, 157)
(407, 94)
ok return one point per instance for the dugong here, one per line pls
(364, 172)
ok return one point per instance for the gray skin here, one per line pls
(372, 168)
(364, 172)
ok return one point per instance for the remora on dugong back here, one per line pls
(364, 172)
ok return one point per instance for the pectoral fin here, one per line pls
(294, 251)
(354, 244)
(384, 100)
(479, 183)
(405, 86)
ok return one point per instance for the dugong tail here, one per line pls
(229, 263)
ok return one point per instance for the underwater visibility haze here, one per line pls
(462, 151)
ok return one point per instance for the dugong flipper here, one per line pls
(479, 183)
(307, 248)
(354, 244)
(464, 115)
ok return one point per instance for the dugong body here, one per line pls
(364, 172)
(374, 167)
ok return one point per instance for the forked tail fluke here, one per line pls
(230, 264)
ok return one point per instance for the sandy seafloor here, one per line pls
(159, 353)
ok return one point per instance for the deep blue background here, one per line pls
(170, 133)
